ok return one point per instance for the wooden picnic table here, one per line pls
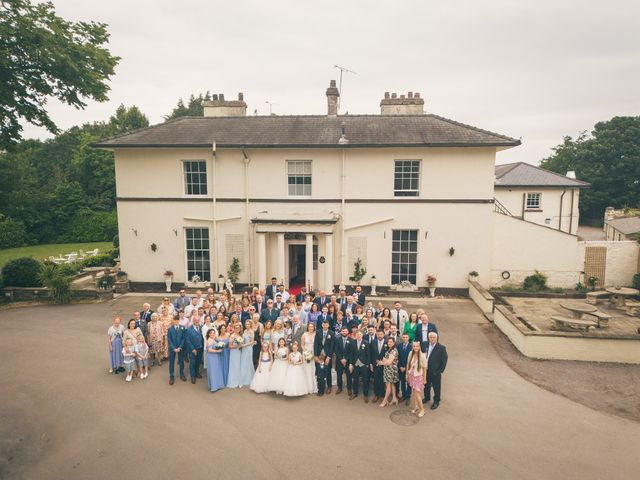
(620, 294)
(578, 309)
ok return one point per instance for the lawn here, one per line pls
(44, 251)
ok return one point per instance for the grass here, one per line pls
(40, 252)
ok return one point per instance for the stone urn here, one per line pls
(220, 283)
(432, 290)
(168, 280)
(374, 284)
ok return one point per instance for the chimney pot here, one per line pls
(402, 96)
(410, 95)
(240, 96)
(386, 94)
(333, 96)
(215, 96)
(394, 95)
(222, 97)
(416, 95)
(332, 84)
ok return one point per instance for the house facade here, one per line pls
(302, 198)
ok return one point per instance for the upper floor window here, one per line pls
(299, 177)
(195, 177)
(533, 201)
(406, 180)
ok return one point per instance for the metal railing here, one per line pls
(500, 208)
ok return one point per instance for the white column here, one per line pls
(262, 260)
(309, 261)
(328, 265)
(280, 257)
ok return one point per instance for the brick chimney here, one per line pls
(219, 107)
(333, 97)
(411, 104)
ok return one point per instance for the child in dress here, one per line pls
(129, 358)
(295, 381)
(261, 379)
(142, 357)
(279, 369)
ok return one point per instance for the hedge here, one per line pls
(91, 227)
(22, 272)
(12, 234)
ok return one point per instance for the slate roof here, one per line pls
(626, 225)
(526, 175)
(314, 131)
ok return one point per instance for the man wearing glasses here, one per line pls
(269, 313)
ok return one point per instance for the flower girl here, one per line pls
(295, 381)
(279, 370)
(261, 379)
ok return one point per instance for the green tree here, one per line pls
(609, 159)
(44, 56)
(193, 108)
(126, 120)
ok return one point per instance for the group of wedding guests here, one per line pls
(271, 341)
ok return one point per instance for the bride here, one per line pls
(308, 365)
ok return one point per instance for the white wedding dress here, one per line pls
(295, 383)
(279, 371)
(309, 369)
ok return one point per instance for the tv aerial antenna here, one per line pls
(342, 70)
(271, 104)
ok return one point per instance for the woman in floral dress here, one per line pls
(156, 338)
(390, 373)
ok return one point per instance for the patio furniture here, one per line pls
(602, 318)
(569, 323)
(593, 297)
(620, 294)
(632, 308)
(578, 309)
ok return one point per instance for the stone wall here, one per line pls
(622, 259)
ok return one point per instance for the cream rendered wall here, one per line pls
(522, 247)
(446, 173)
(513, 199)
(622, 260)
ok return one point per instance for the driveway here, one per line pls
(63, 416)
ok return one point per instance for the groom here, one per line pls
(195, 346)
(176, 340)
(323, 348)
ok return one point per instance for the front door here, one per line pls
(297, 264)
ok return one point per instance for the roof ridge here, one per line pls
(137, 130)
(555, 173)
(465, 125)
(511, 165)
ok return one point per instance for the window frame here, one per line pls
(200, 273)
(533, 208)
(401, 252)
(289, 175)
(185, 191)
(406, 192)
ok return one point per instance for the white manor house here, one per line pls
(303, 197)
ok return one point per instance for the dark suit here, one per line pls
(436, 364)
(403, 356)
(378, 370)
(359, 298)
(360, 356)
(269, 315)
(260, 307)
(322, 301)
(242, 316)
(194, 341)
(320, 320)
(431, 327)
(271, 291)
(341, 349)
(326, 345)
(300, 297)
(176, 339)
(351, 307)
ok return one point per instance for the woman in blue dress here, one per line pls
(115, 333)
(235, 356)
(246, 360)
(216, 348)
(314, 313)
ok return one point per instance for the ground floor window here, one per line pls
(198, 254)
(404, 256)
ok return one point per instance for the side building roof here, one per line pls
(526, 175)
(312, 131)
(625, 225)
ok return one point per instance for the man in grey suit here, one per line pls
(297, 329)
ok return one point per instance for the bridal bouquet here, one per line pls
(220, 345)
(238, 341)
(308, 356)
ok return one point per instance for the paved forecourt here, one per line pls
(63, 416)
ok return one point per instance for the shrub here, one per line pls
(22, 272)
(536, 282)
(234, 270)
(636, 281)
(57, 278)
(91, 227)
(101, 260)
(116, 241)
(12, 234)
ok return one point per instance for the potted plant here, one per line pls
(374, 284)
(168, 279)
(473, 276)
(431, 282)
(358, 271)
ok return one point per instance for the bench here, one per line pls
(632, 307)
(593, 297)
(602, 318)
(568, 323)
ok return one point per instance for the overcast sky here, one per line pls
(535, 70)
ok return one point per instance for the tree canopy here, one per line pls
(609, 159)
(193, 108)
(43, 56)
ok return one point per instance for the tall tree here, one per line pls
(609, 159)
(193, 108)
(44, 56)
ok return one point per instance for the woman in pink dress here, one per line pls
(416, 377)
